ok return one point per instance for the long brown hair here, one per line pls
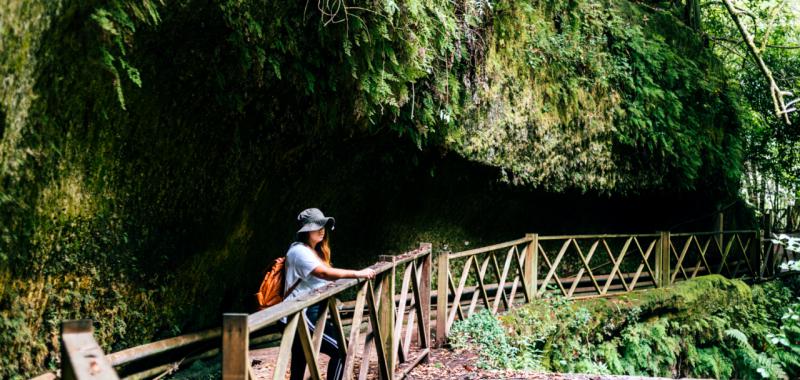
(323, 249)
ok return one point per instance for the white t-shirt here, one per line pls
(300, 262)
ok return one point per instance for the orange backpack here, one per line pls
(270, 293)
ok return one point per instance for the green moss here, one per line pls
(141, 166)
(708, 327)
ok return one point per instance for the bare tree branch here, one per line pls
(781, 108)
(731, 40)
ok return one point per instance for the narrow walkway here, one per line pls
(450, 365)
(444, 365)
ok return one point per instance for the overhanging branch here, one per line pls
(781, 107)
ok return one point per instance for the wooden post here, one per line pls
(769, 256)
(531, 271)
(443, 264)
(425, 297)
(768, 225)
(755, 255)
(81, 356)
(663, 270)
(235, 343)
(386, 315)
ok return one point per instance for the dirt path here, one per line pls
(443, 365)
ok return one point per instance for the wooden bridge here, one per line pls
(390, 326)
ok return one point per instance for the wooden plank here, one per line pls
(710, 233)
(423, 250)
(285, 350)
(662, 259)
(723, 261)
(442, 277)
(386, 314)
(482, 286)
(593, 237)
(352, 349)
(235, 343)
(319, 330)
(645, 263)
(676, 268)
(553, 268)
(375, 322)
(502, 279)
(531, 272)
(424, 300)
(337, 326)
(679, 263)
(308, 349)
(251, 373)
(617, 263)
(745, 253)
(458, 305)
(701, 251)
(46, 376)
(422, 311)
(585, 260)
(366, 357)
(139, 352)
(489, 248)
(409, 331)
(699, 259)
(459, 290)
(82, 357)
(475, 295)
(521, 275)
(398, 323)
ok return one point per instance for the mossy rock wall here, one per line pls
(154, 155)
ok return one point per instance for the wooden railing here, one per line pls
(383, 325)
(784, 220)
(582, 266)
(392, 328)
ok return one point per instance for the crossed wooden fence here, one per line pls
(391, 329)
(383, 325)
(582, 266)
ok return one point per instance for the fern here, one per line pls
(738, 336)
(769, 367)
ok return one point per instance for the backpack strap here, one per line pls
(291, 289)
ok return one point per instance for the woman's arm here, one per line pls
(329, 273)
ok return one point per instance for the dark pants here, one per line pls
(329, 347)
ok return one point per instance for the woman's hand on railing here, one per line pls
(367, 273)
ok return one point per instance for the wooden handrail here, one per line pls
(732, 232)
(477, 251)
(81, 356)
(139, 352)
(601, 236)
(261, 319)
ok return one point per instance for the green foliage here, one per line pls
(602, 90)
(484, 331)
(117, 22)
(145, 143)
(708, 327)
(771, 147)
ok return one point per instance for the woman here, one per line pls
(308, 267)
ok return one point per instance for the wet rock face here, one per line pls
(153, 156)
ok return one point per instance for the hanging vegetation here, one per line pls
(146, 145)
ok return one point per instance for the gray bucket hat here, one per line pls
(312, 219)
